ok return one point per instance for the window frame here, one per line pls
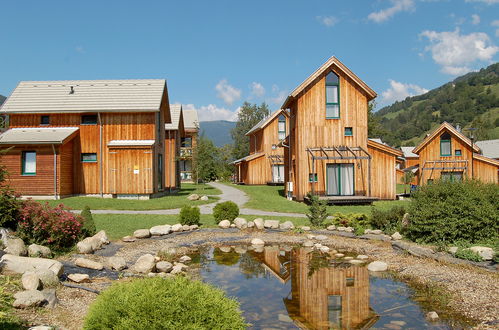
(86, 116)
(23, 163)
(446, 140)
(88, 161)
(312, 177)
(281, 119)
(351, 131)
(338, 95)
(43, 117)
(458, 152)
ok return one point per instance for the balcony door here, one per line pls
(340, 180)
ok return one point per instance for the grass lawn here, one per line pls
(271, 198)
(166, 202)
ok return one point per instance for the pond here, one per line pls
(284, 287)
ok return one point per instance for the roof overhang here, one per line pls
(130, 143)
(37, 135)
(266, 121)
(248, 158)
(384, 147)
(486, 159)
(446, 126)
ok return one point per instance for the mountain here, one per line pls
(471, 100)
(218, 131)
(2, 99)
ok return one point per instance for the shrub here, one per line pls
(388, 221)
(318, 211)
(451, 211)
(190, 215)
(57, 227)
(157, 303)
(88, 228)
(467, 255)
(225, 211)
(350, 219)
(9, 203)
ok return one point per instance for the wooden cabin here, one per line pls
(174, 131)
(448, 154)
(330, 153)
(87, 137)
(187, 144)
(265, 163)
(409, 163)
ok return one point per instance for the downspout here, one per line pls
(100, 157)
(55, 172)
(171, 162)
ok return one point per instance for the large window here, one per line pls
(29, 163)
(452, 176)
(281, 127)
(445, 145)
(332, 95)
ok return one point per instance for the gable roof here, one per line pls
(490, 148)
(134, 95)
(408, 152)
(175, 113)
(265, 121)
(373, 143)
(445, 126)
(37, 135)
(332, 61)
(249, 157)
(191, 120)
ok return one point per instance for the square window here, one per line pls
(350, 281)
(89, 157)
(312, 177)
(28, 163)
(45, 120)
(332, 111)
(348, 131)
(458, 152)
(89, 120)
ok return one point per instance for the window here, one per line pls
(348, 131)
(332, 95)
(186, 142)
(89, 157)
(89, 120)
(334, 311)
(28, 162)
(281, 127)
(458, 152)
(350, 281)
(445, 145)
(452, 176)
(312, 177)
(45, 120)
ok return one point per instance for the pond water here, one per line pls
(281, 287)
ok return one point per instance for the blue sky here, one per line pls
(217, 54)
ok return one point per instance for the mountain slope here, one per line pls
(218, 131)
(471, 100)
(2, 99)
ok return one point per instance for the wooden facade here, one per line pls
(188, 144)
(173, 137)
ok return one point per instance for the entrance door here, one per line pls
(340, 179)
(277, 173)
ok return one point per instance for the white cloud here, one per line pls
(80, 49)
(385, 14)
(327, 20)
(278, 95)
(488, 2)
(212, 112)
(257, 89)
(496, 25)
(455, 52)
(399, 91)
(229, 94)
(475, 19)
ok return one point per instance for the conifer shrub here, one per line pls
(190, 215)
(318, 211)
(9, 201)
(225, 211)
(88, 227)
(156, 303)
(388, 221)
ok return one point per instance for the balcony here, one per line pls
(185, 152)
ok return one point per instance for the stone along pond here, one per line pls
(284, 287)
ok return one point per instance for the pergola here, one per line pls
(443, 165)
(276, 159)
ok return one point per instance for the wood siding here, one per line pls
(383, 174)
(172, 153)
(131, 177)
(65, 169)
(485, 171)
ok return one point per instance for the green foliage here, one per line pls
(374, 127)
(205, 160)
(8, 319)
(9, 202)
(389, 221)
(317, 211)
(454, 211)
(468, 255)
(190, 215)
(407, 178)
(157, 303)
(88, 228)
(225, 211)
(248, 116)
(350, 219)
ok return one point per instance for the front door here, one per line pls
(340, 180)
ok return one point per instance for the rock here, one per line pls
(453, 249)
(193, 227)
(348, 258)
(308, 243)
(367, 231)
(240, 249)
(356, 262)
(193, 197)
(258, 248)
(145, 264)
(48, 278)
(224, 224)
(204, 198)
(142, 233)
(321, 237)
(185, 259)
(349, 229)
(271, 224)
(305, 228)
(84, 247)
(50, 298)
(377, 266)
(79, 278)
(287, 225)
(317, 245)
(101, 235)
(257, 241)
(116, 263)
(310, 236)
(30, 298)
(178, 268)
(485, 252)
(339, 255)
(362, 257)
(432, 316)
(128, 239)
(31, 281)
(42, 327)
(177, 227)
(186, 228)
(241, 223)
(331, 227)
(87, 263)
(232, 225)
(406, 220)
(400, 323)
(91, 244)
(251, 224)
(259, 223)
(225, 249)
(324, 249)
(18, 265)
(341, 228)
(396, 236)
(16, 247)
(164, 267)
(377, 232)
(160, 230)
(35, 250)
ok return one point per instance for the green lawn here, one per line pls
(166, 202)
(271, 198)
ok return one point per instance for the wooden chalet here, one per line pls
(265, 163)
(448, 154)
(409, 163)
(330, 153)
(187, 144)
(174, 132)
(87, 137)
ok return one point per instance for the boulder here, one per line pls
(257, 241)
(16, 247)
(348, 258)
(193, 197)
(232, 225)
(305, 228)
(101, 235)
(240, 249)
(48, 278)
(18, 265)
(396, 236)
(485, 252)
(42, 327)
(178, 268)
(142, 233)
(287, 225)
(84, 247)
(35, 250)
(258, 248)
(50, 298)
(128, 239)
(251, 224)
(164, 267)
(308, 243)
(31, 281)
(331, 227)
(377, 232)
(362, 257)
(241, 223)
(377, 266)
(405, 220)
(145, 264)
(356, 262)
(341, 228)
(116, 263)
(79, 278)
(321, 237)
(87, 263)
(349, 229)
(324, 249)
(186, 228)
(204, 198)
(271, 224)
(259, 223)
(225, 249)
(432, 316)
(160, 230)
(453, 249)
(185, 259)
(193, 227)
(177, 227)
(339, 255)
(310, 236)
(224, 224)
(30, 298)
